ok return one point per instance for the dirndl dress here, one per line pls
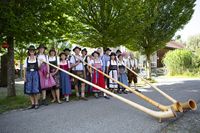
(123, 78)
(43, 75)
(65, 82)
(57, 75)
(97, 78)
(32, 84)
(114, 74)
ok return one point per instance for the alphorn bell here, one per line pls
(190, 104)
(151, 101)
(157, 114)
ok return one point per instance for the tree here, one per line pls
(20, 54)
(106, 23)
(26, 21)
(193, 43)
(164, 17)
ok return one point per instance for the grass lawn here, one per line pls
(11, 103)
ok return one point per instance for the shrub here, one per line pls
(178, 61)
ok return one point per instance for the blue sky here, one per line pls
(193, 26)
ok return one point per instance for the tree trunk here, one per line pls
(3, 77)
(21, 69)
(11, 69)
(148, 66)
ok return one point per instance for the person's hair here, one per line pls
(53, 51)
(28, 54)
(43, 52)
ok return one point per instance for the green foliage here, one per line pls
(180, 62)
(164, 18)
(193, 43)
(104, 23)
(33, 21)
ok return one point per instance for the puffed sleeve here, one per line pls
(25, 63)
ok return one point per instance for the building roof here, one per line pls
(175, 45)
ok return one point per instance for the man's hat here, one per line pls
(67, 49)
(118, 51)
(77, 48)
(108, 49)
(84, 49)
(31, 47)
(42, 46)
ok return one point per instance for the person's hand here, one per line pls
(48, 75)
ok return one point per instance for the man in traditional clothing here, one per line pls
(79, 70)
(88, 75)
(132, 63)
(105, 58)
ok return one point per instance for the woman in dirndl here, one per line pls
(31, 77)
(53, 59)
(112, 70)
(97, 78)
(65, 82)
(43, 71)
(123, 78)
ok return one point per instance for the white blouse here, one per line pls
(112, 62)
(54, 59)
(29, 61)
(42, 57)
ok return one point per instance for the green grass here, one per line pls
(11, 103)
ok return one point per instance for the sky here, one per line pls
(193, 26)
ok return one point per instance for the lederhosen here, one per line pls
(56, 76)
(111, 69)
(32, 84)
(132, 76)
(79, 73)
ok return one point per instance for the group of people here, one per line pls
(40, 76)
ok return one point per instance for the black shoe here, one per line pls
(138, 90)
(84, 98)
(106, 97)
(36, 106)
(125, 92)
(31, 107)
(119, 91)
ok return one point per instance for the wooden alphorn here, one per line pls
(190, 104)
(175, 107)
(157, 114)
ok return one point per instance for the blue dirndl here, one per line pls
(123, 79)
(65, 83)
(32, 84)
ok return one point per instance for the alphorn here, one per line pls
(157, 114)
(190, 104)
(175, 107)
